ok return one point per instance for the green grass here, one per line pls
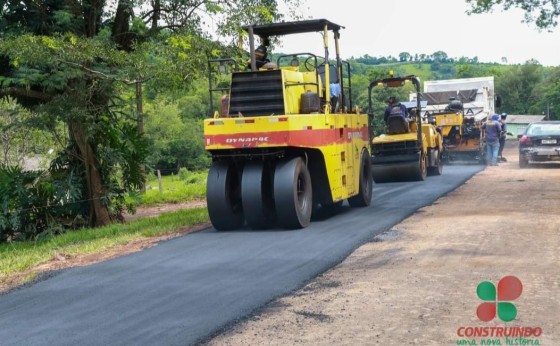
(20, 256)
(175, 190)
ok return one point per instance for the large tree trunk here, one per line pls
(156, 4)
(99, 213)
(92, 16)
(120, 32)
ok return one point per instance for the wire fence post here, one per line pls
(159, 181)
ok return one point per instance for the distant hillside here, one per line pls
(429, 70)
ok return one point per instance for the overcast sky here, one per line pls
(389, 27)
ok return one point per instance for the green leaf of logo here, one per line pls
(506, 311)
(486, 291)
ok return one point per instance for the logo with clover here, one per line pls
(498, 301)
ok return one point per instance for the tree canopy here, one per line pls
(543, 13)
(72, 61)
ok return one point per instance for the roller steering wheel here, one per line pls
(310, 63)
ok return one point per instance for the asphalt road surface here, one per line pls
(187, 289)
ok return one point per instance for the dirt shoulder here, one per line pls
(155, 211)
(417, 283)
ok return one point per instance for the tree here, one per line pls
(517, 87)
(70, 60)
(440, 56)
(543, 13)
(404, 56)
(465, 71)
(175, 142)
(548, 92)
(14, 138)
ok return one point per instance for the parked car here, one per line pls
(539, 143)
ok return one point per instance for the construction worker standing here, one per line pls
(492, 129)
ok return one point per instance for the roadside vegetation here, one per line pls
(185, 186)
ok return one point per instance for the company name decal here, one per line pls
(246, 140)
(355, 134)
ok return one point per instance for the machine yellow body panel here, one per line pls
(292, 94)
(387, 139)
(339, 138)
(449, 119)
(430, 137)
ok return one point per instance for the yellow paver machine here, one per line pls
(287, 138)
(463, 140)
(459, 107)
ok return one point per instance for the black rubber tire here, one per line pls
(422, 168)
(363, 198)
(256, 195)
(293, 194)
(523, 162)
(223, 196)
(438, 169)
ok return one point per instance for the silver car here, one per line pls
(539, 143)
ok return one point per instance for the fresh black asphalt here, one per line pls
(188, 288)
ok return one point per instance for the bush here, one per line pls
(183, 173)
(23, 197)
(32, 204)
(150, 176)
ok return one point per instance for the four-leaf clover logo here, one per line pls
(509, 288)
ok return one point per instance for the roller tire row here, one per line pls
(266, 193)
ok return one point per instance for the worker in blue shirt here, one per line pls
(492, 129)
(394, 107)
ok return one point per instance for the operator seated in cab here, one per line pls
(261, 59)
(396, 116)
(454, 105)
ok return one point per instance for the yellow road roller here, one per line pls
(410, 148)
(287, 138)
